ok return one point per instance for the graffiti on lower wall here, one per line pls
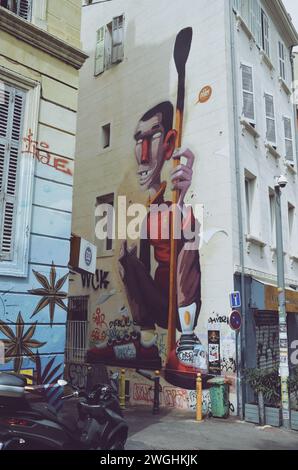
(170, 397)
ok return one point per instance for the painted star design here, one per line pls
(19, 344)
(51, 292)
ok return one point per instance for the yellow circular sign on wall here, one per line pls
(205, 94)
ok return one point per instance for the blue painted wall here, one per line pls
(33, 308)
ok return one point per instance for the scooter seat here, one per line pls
(68, 420)
(12, 385)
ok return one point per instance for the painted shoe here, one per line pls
(190, 352)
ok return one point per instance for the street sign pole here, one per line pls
(283, 337)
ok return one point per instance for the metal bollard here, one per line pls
(122, 389)
(156, 393)
(199, 398)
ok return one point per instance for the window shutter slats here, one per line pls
(282, 63)
(288, 139)
(24, 9)
(5, 97)
(248, 96)
(265, 34)
(12, 171)
(10, 146)
(2, 161)
(248, 106)
(7, 232)
(117, 39)
(255, 19)
(270, 119)
(17, 117)
(100, 51)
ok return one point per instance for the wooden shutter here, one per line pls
(108, 47)
(24, 9)
(288, 139)
(265, 34)
(245, 11)
(237, 6)
(270, 119)
(118, 39)
(282, 66)
(248, 93)
(255, 20)
(12, 103)
(100, 51)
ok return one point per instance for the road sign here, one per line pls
(235, 300)
(235, 320)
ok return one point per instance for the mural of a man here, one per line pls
(147, 291)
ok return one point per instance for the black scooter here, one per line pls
(95, 423)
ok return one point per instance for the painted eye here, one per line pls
(157, 135)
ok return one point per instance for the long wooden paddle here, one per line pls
(181, 53)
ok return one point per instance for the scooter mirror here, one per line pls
(62, 383)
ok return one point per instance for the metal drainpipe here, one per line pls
(240, 347)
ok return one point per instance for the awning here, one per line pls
(271, 297)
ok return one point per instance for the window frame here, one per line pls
(291, 161)
(18, 266)
(251, 121)
(18, 6)
(255, 20)
(248, 203)
(274, 144)
(282, 61)
(265, 40)
(108, 46)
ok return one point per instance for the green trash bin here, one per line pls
(219, 395)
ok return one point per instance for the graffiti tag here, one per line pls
(218, 319)
(143, 392)
(96, 281)
(78, 375)
(40, 151)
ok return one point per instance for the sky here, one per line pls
(292, 7)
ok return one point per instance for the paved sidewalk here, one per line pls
(178, 430)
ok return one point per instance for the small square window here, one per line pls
(106, 136)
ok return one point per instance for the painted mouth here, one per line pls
(145, 176)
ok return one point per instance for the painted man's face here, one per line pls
(149, 151)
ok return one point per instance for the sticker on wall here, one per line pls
(205, 94)
(214, 352)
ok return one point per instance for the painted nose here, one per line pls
(145, 151)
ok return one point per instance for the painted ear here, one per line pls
(169, 144)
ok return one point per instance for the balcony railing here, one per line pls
(76, 341)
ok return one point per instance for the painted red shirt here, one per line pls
(159, 236)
